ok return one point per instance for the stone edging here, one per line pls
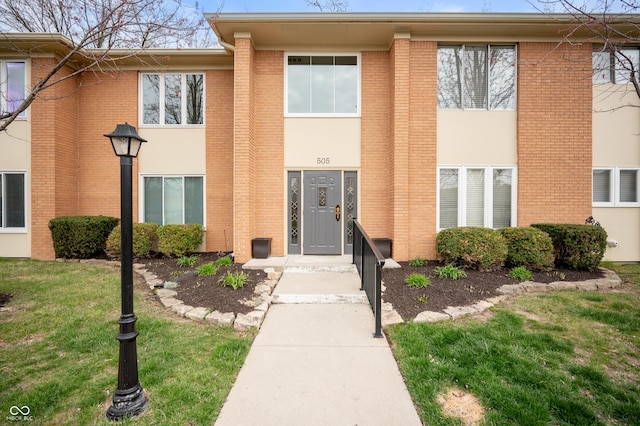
(240, 322)
(610, 280)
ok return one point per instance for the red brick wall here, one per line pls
(554, 133)
(376, 168)
(269, 124)
(423, 110)
(54, 155)
(244, 161)
(219, 152)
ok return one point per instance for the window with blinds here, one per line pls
(476, 196)
(477, 77)
(615, 187)
(614, 67)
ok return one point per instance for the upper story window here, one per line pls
(12, 85)
(322, 85)
(477, 77)
(172, 99)
(615, 67)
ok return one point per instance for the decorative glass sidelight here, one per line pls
(350, 208)
(294, 212)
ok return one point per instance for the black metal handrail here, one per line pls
(369, 263)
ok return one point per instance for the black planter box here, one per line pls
(260, 248)
(384, 245)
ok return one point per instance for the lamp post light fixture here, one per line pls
(129, 398)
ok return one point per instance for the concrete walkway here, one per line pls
(315, 360)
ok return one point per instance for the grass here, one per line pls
(59, 356)
(557, 358)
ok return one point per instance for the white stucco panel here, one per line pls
(477, 137)
(616, 131)
(322, 143)
(173, 151)
(15, 147)
(622, 226)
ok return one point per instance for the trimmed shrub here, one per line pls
(145, 240)
(471, 247)
(80, 237)
(576, 246)
(179, 240)
(529, 247)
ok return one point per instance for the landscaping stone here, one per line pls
(262, 288)
(170, 301)
(165, 294)
(170, 284)
(496, 300)
(246, 322)
(562, 285)
(197, 314)
(220, 319)
(460, 311)
(587, 285)
(482, 305)
(429, 316)
(510, 289)
(182, 309)
(391, 317)
(532, 287)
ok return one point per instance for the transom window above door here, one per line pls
(322, 85)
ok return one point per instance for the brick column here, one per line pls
(400, 63)
(244, 167)
(554, 133)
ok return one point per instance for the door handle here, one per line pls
(337, 212)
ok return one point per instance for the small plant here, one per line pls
(423, 299)
(224, 261)
(187, 261)
(450, 272)
(207, 270)
(417, 280)
(521, 273)
(417, 261)
(234, 280)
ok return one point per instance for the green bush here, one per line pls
(179, 240)
(145, 240)
(417, 280)
(234, 280)
(471, 247)
(207, 270)
(576, 246)
(529, 247)
(80, 237)
(450, 272)
(521, 273)
(417, 261)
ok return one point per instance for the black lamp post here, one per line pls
(129, 398)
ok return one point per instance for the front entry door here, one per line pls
(322, 212)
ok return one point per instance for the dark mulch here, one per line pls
(198, 291)
(4, 298)
(437, 296)
(442, 293)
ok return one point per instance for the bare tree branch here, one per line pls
(329, 5)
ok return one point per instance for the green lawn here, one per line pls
(59, 356)
(565, 358)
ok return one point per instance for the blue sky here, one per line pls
(374, 6)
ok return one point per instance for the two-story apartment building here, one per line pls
(301, 122)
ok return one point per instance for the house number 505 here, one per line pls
(323, 160)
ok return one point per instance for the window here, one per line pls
(477, 77)
(173, 199)
(323, 85)
(476, 196)
(615, 67)
(12, 201)
(12, 86)
(172, 99)
(615, 187)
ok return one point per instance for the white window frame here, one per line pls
(141, 195)
(183, 89)
(612, 71)
(4, 83)
(614, 187)
(488, 88)
(312, 114)
(16, 230)
(488, 194)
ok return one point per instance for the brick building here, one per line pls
(301, 122)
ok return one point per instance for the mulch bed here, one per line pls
(203, 291)
(408, 302)
(442, 293)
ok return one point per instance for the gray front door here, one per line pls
(322, 225)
